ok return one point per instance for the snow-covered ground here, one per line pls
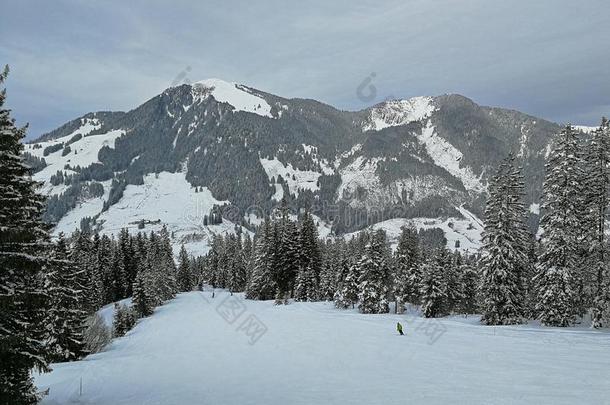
(226, 350)
(399, 112)
(107, 311)
(295, 179)
(449, 157)
(236, 95)
(465, 231)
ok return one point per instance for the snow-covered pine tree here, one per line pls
(407, 272)
(95, 298)
(433, 289)
(238, 277)
(223, 263)
(104, 269)
(83, 256)
(306, 288)
(286, 264)
(347, 291)
(261, 285)
(118, 278)
(469, 285)
(66, 317)
(309, 245)
(505, 248)
(124, 319)
(452, 263)
(211, 271)
(184, 277)
(373, 283)
(330, 267)
(167, 266)
(247, 254)
(597, 164)
(126, 248)
(24, 250)
(141, 302)
(557, 280)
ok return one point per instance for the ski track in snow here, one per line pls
(312, 353)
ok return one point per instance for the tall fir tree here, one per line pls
(597, 164)
(24, 260)
(306, 288)
(66, 317)
(286, 265)
(141, 301)
(407, 272)
(373, 283)
(347, 288)
(558, 281)
(310, 255)
(184, 277)
(433, 288)
(505, 248)
(261, 285)
(238, 263)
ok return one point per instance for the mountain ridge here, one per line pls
(421, 157)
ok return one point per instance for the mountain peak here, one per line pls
(237, 95)
(399, 112)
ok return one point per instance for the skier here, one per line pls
(399, 328)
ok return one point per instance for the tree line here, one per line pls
(49, 289)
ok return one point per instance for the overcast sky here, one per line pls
(549, 58)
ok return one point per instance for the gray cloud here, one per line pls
(547, 58)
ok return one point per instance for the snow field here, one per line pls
(195, 350)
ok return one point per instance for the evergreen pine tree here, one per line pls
(23, 264)
(184, 277)
(306, 288)
(261, 285)
(308, 242)
(597, 192)
(505, 248)
(407, 273)
(373, 283)
(562, 204)
(469, 283)
(286, 263)
(238, 277)
(433, 289)
(347, 290)
(66, 317)
(141, 302)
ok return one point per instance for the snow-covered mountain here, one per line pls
(213, 143)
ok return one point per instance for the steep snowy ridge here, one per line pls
(231, 93)
(448, 157)
(399, 112)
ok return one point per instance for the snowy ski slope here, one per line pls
(196, 350)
